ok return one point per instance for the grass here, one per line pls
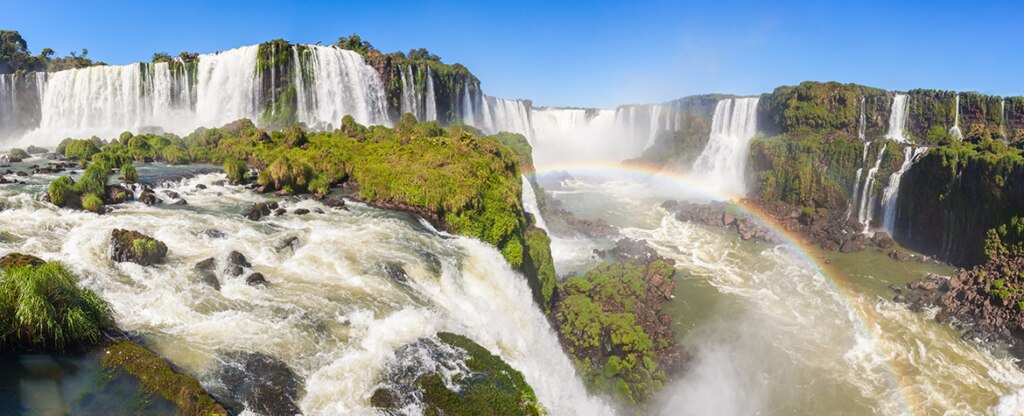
(43, 308)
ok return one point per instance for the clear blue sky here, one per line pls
(586, 53)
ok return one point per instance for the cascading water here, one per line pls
(890, 196)
(723, 162)
(863, 121)
(508, 115)
(343, 84)
(867, 197)
(856, 181)
(431, 102)
(530, 203)
(1002, 118)
(332, 312)
(467, 106)
(655, 113)
(955, 130)
(898, 119)
(8, 102)
(410, 99)
(574, 134)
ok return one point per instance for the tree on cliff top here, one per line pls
(355, 43)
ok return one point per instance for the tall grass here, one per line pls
(43, 308)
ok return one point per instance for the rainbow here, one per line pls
(867, 317)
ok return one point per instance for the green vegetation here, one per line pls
(542, 265)
(492, 388)
(15, 56)
(157, 376)
(597, 323)
(128, 172)
(1006, 240)
(43, 308)
(61, 191)
(91, 202)
(236, 170)
(144, 247)
(826, 107)
(17, 155)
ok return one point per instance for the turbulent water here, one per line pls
(723, 162)
(773, 333)
(332, 311)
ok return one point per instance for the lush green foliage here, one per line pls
(91, 202)
(61, 190)
(542, 265)
(157, 376)
(15, 56)
(236, 170)
(826, 107)
(17, 155)
(598, 326)
(79, 149)
(1006, 239)
(128, 172)
(43, 308)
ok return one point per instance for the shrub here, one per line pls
(81, 149)
(42, 308)
(319, 186)
(175, 155)
(144, 247)
(286, 171)
(17, 155)
(128, 172)
(93, 180)
(236, 170)
(91, 202)
(61, 191)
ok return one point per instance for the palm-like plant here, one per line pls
(43, 308)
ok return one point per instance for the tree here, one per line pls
(161, 57)
(355, 43)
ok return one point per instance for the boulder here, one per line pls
(236, 264)
(135, 247)
(334, 202)
(279, 212)
(852, 245)
(301, 211)
(899, 255)
(256, 279)
(883, 240)
(149, 198)
(10, 260)
(207, 275)
(257, 211)
(261, 383)
(117, 194)
(171, 194)
(396, 272)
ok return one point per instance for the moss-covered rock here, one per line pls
(12, 260)
(135, 247)
(157, 376)
(462, 378)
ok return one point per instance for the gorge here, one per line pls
(329, 229)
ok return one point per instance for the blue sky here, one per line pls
(600, 53)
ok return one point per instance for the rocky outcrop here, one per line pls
(258, 383)
(720, 214)
(259, 210)
(135, 247)
(11, 260)
(206, 270)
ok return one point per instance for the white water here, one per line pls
(343, 84)
(410, 99)
(863, 121)
(330, 311)
(955, 130)
(8, 103)
(867, 197)
(507, 115)
(723, 162)
(567, 135)
(890, 196)
(856, 181)
(898, 119)
(530, 203)
(655, 113)
(467, 106)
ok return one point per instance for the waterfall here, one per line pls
(485, 112)
(226, 88)
(955, 130)
(343, 84)
(655, 111)
(8, 102)
(863, 122)
(898, 119)
(867, 198)
(431, 102)
(508, 115)
(1002, 118)
(575, 134)
(530, 203)
(856, 182)
(891, 194)
(408, 97)
(723, 162)
(467, 106)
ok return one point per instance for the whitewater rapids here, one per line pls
(331, 312)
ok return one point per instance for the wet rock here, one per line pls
(883, 240)
(171, 194)
(852, 245)
(206, 272)
(899, 255)
(396, 272)
(257, 211)
(236, 263)
(116, 194)
(301, 211)
(259, 383)
(149, 198)
(291, 242)
(279, 212)
(634, 251)
(212, 233)
(334, 202)
(256, 279)
(180, 202)
(200, 186)
(10, 260)
(135, 247)
(21, 173)
(233, 270)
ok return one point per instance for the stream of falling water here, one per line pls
(331, 312)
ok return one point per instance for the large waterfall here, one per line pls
(898, 119)
(723, 162)
(856, 182)
(862, 122)
(891, 194)
(955, 130)
(430, 113)
(507, 115)
(343, 84)
(178, 97)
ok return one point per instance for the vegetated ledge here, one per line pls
(456, 178)
(66, 317)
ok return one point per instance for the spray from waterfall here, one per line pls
(898, 119)
(890, 196)
(723, 162)
(955, 130)
(467, 106)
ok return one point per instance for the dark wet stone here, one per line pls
(149, 198)
(396, 272)
(259, 383)
(280, 211)
(135, 247)
(301, 211)
(212, 233)
(256, 279)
